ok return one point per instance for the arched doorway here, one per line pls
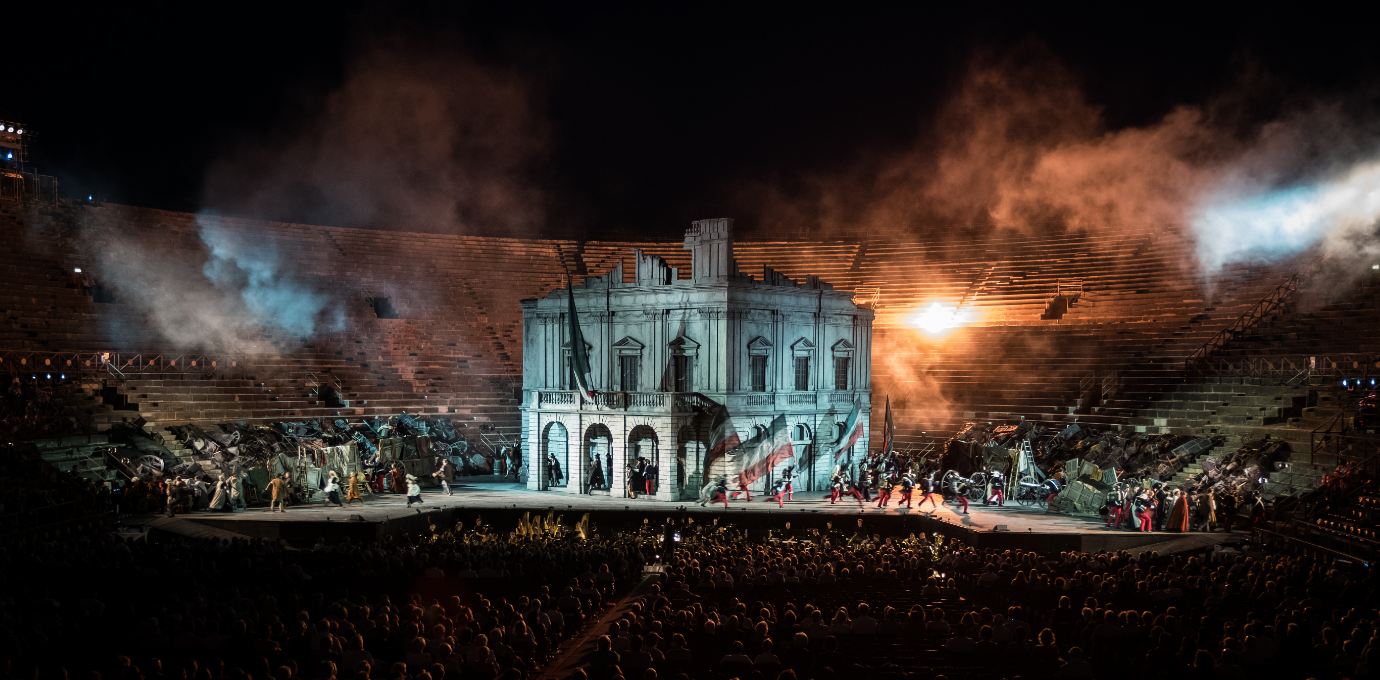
(644, 461)
(689, 462)
(555, 442)
(598, 453)
(803, 440)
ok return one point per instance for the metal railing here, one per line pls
(118, 364)
(1257, 313)
(1293, 369)
(18, 186)
(1263, 536)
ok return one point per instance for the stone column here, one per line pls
(534, 453)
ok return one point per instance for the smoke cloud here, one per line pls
(1018, 147)
(433, 142)
(234, 296)
(419, 142)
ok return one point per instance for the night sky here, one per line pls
(654, 115)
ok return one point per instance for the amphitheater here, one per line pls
(1106, 330)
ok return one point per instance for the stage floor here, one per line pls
(1011, 526)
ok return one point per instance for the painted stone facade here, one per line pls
(664, 350)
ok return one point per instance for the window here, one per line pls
(680, 374)
(802, 374)
(683, 351)
(759, 374)
(628, 366)
(802, 350)
(629, 352)
(843, 360)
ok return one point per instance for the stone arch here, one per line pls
(598, 447)
(690, 451)
(643, 442)
(555, 442)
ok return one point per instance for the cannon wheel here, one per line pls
(977, 490)
(148, 465)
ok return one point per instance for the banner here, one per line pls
(852, 431)
(579, 357)
(763, 453)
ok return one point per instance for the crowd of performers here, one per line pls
(1156, 507)
(227, 493)
(884, 478)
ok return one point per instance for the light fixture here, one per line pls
(21, 131)
(11, 129)
(1375, 266)
(76, 269)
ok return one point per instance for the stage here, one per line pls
(501, 504)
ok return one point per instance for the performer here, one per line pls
(596, 473)
(553, 470)
(884, 493)
(442, 474)
(930, 487)
(851, 489)
(649, 476)
(171, 497)
(333, 490)
(908, 490)
(398, 478)
(1115, 500)
(1161, 498)
(998, 482)
(355, 485)
(1054, 484)
(277, 488)
(743, 489)
(220, 500)
(786, 475)
(1178, 513)
(1145, 510)
(414, 491)
(715, 492)
(835, 487)
(778, 492)
(635, 477)
(961, 496)
(236, 493)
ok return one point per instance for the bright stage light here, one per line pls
(938, 318)
(77, 269)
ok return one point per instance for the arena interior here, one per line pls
(240, 448)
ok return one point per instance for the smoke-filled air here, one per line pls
(422, 143)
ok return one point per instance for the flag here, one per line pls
(766, 451)
(889, 433)
(579, 359)
(723, 437)
(852, 431)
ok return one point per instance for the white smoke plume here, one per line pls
(233, 294)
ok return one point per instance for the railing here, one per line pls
(799, 398)
(19, 362)
(1293, 369)
(1263, 536)
(845, 397)
(17, 186)
(767, 399)
(622, 401)
(1257, 313)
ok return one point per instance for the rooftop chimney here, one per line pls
(710, 243)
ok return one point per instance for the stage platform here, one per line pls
(501, 504)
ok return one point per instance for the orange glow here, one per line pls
(938, 318)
